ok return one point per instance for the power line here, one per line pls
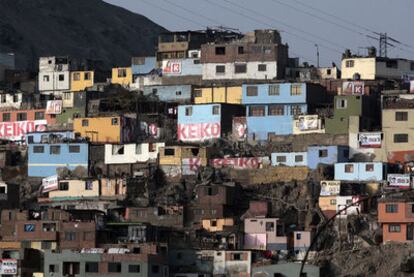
(284, 24)
(173, 13)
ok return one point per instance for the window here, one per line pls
(295, 110)
(122, 73)
(67, 95)
(30, 139)
(6, 117)
(152, 147)
(333, 202)
(189, 111)
(241, 50)
(240, 68)
(262, 67)
(400, 138)
(197, 93)
(341, 103)
(220, 69)
(328, 72)
(369, 167)
(349, 168)
(88, 185)
(274, 90)
(87, 76)
(412, 208)
(298, 158)
(270, 226)
(38, 149)
(276, 110)
(3, 98)
(114, 267)
(117, 149)
(221, 50)
(394, 228)
(281, 159)
(46, 78)
(236, 257)
(323, 153)
(257, 111)
(155, 269)
(251, 91)
(39, 115)
(21, 116)
(391, 64)
(64, 186)
(298, 236)
(74, 149)
(296, 89)
(61, 77)
(391, 208)
(29, 228)
(15, 98)
(85, 123)
(76, 76)
(412, 66)
(216, 109)
(138, 149)
(134, 268)
(54, 150)
(349, 63)
(52, 268)
(213, 223)
(71, 236)
(114, 121)
(92, 267)
(178, 92)
(2, 190)
(401, 116)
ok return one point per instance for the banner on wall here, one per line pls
(308, 122)
(171, 67)
(399, 180)
(370, 140)
(54, 107)
(50, 183)
(353, 88)
(8, 266)
(330, 188)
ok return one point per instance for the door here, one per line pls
(410, 231)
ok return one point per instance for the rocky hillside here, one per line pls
(78, 28)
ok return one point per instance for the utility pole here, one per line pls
(317, 55)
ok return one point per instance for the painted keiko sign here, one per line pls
(238, 163)
(198, 131)
(17, 130)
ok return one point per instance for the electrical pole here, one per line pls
(317, 55)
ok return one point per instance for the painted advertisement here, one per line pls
(198, 131)
(330, 188)
(370, 140)
(190, 166)
(399, 180)
(308, 122)
(171, 67)
(17, 130)
(8, 266)
(54, 107)
(353, 88)
(50, 183)
(239, 163)
(239, 128)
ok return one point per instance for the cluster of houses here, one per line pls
(145, 170)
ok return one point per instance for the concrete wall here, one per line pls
(229, 95)
(177, 93)
(53, 81)
(189, 67)
(132, 153)
(45, 164)
(148, 65)
(117, 78)
(11, 100)
(83, 82)
(334, 154)
(252, 72)
(99, 129)
(391, 127)
(77, 189)
(359, 171)
(290, 158)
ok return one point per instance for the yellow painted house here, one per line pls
(80, 80)
(174, 155)
(99, 129)
(122, 76)
(228, 95)
(217, 225)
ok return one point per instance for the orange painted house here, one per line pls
(397, 219)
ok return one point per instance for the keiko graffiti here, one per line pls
(198, 131)
(17, 130)
(238, 163)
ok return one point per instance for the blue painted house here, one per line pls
(143, 65)
(360, 172)
(44, 158)
(171, 93)
(198, 123)
(328, 155)
(289, 158)
(271, 108)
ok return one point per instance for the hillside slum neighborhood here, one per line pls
(220, 155)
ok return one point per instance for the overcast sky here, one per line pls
(332, 24)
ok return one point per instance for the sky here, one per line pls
(334, 25)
